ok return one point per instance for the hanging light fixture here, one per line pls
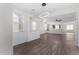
(44, 4)
(45, 12)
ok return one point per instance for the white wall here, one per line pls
(19, 37)
(76, 32)
(77, 26)
(6, 29)
(27, 34)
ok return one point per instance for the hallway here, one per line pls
(49, 44)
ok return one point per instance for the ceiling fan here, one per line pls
(59, 20)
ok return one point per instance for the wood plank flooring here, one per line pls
(49, 44)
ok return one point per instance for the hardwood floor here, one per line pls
(49, 44)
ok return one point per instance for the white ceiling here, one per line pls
(51, 8)
(64, 18)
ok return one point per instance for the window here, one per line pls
(57, 27)
(17, 23)
(45, 26)
(69, 27)
(34, 25)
